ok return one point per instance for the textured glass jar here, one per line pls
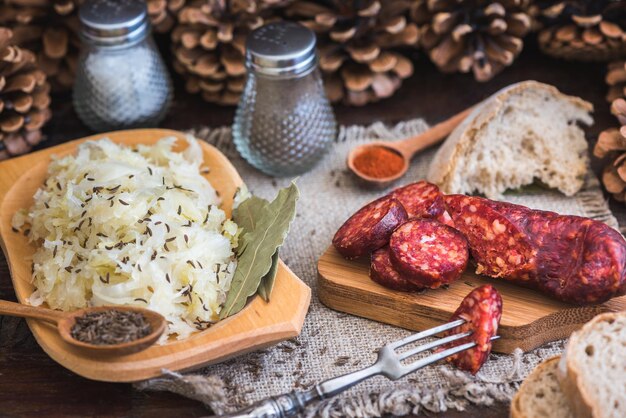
(121, 80)
(284, 123)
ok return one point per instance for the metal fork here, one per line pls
(389, 364)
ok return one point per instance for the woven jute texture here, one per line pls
(333, 343)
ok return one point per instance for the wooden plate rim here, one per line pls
(258, 325)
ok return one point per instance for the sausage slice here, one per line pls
(369, 228)
(482, 310)
(421, 199)
(384, 273)
(428, 253)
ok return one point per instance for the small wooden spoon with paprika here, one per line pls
(399, 153)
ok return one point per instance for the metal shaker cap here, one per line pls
(281, 49)
(113, 22)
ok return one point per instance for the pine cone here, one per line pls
(163, 13)
(612, 142)
(582, 30)
(209, 44)
(49, 28)
(616, 80)
(358, 45)
(479, 36)
(24, 98)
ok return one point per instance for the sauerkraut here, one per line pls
(140, 226)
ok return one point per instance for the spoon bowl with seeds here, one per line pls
(102, 330)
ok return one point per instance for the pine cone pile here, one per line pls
(612, 143)
(163, 13)
(49, 28)
(358, 43)
(583, 30)
(209, 44)
(616, 80)
(481, 36)
(24, 98)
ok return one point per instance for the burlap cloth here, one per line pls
(334, 343)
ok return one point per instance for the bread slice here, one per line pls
(592, 370)
(540, 395)
(524, 132)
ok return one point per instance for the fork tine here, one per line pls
(426, 333)
(434, 344)
(433, 358)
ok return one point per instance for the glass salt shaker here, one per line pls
(284, 123)
(121, 80)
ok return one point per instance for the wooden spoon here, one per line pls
(66, 320)
(406, 148)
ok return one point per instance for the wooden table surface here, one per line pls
(32, 385)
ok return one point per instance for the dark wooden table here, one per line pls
(32, 385)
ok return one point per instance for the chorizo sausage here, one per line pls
(581, 261)
(571, 258)
(518, 214)
(383, 273)
(445, 219)
(428, 253)
(421, 200)
(499, 247)
(481, 309)
(369, 228)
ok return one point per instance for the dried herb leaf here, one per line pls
(267, 282)
(246, 217)
(271, 223)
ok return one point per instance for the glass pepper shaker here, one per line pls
(121, 80)
(284, 123)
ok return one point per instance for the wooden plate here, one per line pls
(529, 318)
(259, 325)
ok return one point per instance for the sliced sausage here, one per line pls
(428, 253)
(421, 199)
(523, 217)
(571, 258)
(499, 247)
(482, 310)
(581, 261)
(445, 219)
(369, 229)
(560, 241)
(383, 273)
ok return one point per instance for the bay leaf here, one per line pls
(267, 282)
(270, 223)
(245, 216)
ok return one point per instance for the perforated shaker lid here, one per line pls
(113, 21)
(281, 48)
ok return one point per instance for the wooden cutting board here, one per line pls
(258, 325)
(529, 318)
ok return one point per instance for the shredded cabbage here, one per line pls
(122, 226)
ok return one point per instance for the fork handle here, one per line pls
(288, 405)
(293, 403)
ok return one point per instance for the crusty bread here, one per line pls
(540, 395)
(524, 132)
(592, 370)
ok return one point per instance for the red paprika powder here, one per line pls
(378, 162)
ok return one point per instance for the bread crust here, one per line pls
(462, 138)
(569, 375)
(516, 403)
